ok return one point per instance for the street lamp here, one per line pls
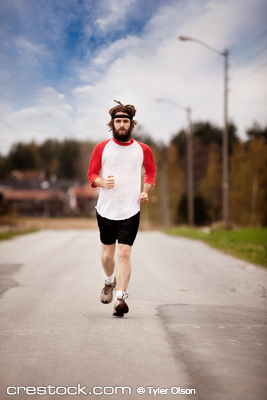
(225, 184)
(189, 159)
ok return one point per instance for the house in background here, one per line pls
(33, 202)
(82, 199)
(28, 176)
(29, 193)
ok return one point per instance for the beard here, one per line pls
(122, 135)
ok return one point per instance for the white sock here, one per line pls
(109, 279)
(119, 294)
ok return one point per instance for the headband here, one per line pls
(122, 116)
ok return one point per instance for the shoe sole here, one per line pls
(120, 310)
(116, 314)
(106, 302)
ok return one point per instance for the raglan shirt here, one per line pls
(125, 162)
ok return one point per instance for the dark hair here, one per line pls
(128, 109)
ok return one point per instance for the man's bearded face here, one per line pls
(122, 129)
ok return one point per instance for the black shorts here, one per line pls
(124, 231)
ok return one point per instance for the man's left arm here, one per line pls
(150, 173)
(145, 193)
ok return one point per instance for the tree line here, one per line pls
(168, 203)
(66, 159)
(247, 176)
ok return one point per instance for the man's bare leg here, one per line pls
(123, 278)
(107, 258)
(108, 264)
(124, 267)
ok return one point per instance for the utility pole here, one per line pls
(225, 169)
(225, 178)
(190, 184)
(189, 161)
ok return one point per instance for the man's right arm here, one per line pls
(108, 183)
(95, 165)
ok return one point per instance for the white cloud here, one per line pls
(50, 117)
(248, 97)
(116, 15)
(115, 50)
(6, 138)
(30, 52)
(138, 70)
(158, 65)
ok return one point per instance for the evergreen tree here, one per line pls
(23, 156)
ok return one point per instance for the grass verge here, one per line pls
(12, 233)
(249, 244)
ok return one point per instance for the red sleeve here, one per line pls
(148, 164)
(96, 162)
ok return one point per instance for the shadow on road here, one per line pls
(5, 281)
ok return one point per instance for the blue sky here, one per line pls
(63, 62)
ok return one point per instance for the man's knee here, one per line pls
(124, 252)
(107, 254)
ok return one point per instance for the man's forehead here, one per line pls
(121, 113)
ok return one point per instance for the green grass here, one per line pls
(11, 234)
(249, 244)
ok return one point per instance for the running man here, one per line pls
(120, 160)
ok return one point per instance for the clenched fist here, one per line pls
(143, 198)
(110, 182)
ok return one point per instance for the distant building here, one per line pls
(28, 175)
(33, 201)
(82, 199)
(28, 192)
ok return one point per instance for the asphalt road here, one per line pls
(197, 321)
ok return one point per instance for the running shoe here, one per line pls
(120, 306)
(107, 292)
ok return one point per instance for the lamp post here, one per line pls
(225, 178)
(189, 161)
